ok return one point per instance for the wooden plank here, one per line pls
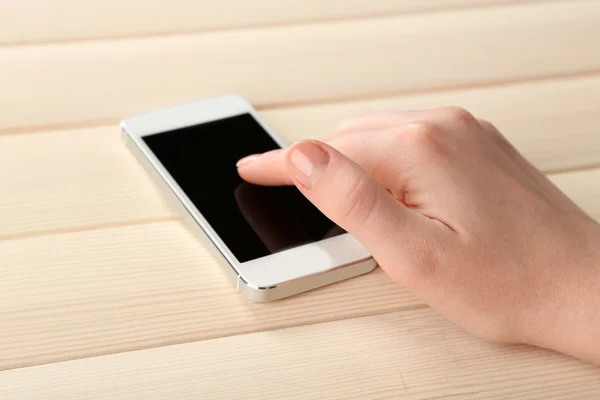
(89, 180)
(404, 355)
(62, 83)
(32, 21)
(81, 294)
(553, 123)
(584, 189)
(58, 181)
(104, 291)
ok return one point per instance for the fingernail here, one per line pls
(309, 160)
(247, 160)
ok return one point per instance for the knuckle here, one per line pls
(360, 202)
(494, 134)
(487, 125)
(422, 136)
(457, 115)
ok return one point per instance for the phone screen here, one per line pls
(253, 221)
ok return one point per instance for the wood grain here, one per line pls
(88, 180)
(59, 181)
(407, 355)
(33, 21)
(92, 262)
(63, 83)
(553, 123)
(583, 190)
(104, 291)
(81, 294)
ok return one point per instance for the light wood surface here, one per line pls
(97, 183)
(62, 83)
(406, 355)
(110, 290)
(31, 21)
(103, 293)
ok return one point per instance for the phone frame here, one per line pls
(264, 279)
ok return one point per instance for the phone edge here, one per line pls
(250, 290)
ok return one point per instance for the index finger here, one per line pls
(268, 169)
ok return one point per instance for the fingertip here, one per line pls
(246, 173)
(264, 169)
(247, 160)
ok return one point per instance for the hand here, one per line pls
(452, 211)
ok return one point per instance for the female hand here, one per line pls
(452, 211)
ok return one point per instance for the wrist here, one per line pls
(574, 329)
(586, 337)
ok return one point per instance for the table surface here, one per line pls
(104, 294)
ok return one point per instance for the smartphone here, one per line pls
(271, 241)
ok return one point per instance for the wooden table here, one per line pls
(103, 293)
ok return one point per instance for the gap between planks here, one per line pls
(552, 123)
(391, 13)
(87, 228)
(326, 62)
(413, 354)
(109, 291)
(155, 220)
(114, 121)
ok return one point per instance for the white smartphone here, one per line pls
(271, 241)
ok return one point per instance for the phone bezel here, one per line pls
(265, 272)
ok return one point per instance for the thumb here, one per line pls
(352, 198)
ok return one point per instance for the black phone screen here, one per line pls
(253, 221)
